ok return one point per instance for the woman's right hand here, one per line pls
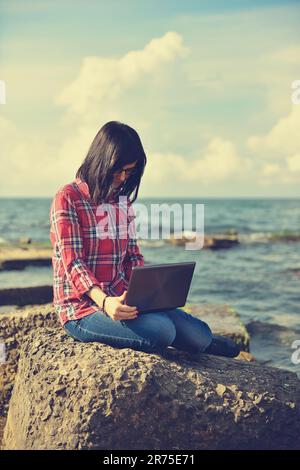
(117, 310)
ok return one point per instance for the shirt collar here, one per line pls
(84, 189)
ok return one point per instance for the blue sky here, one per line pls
(206, 84)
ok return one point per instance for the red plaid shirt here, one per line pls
(82, 258)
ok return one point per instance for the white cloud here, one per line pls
(27, 162)
(163, 101)
(97, 95)
(94, 98)
(283, 139)
(293, 163)
(281, 147)
(270, 169)
(102, 80)
(288, 55)
(218, 162)
(7, 129)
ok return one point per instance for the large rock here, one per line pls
(73, 395)
(15, 326)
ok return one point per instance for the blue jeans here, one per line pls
(149, 332)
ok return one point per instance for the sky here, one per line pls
(206, 84)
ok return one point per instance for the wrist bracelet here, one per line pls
(103, 303)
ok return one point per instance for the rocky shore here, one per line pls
(26, 295)
(213, 242)
(57, 393)
(16, 326)
(16, 256)
(72, 395)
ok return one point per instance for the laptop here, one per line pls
(158, 287)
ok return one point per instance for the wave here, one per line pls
(274, 344)
(282, 325)
(230, 236)
(152, 243)
(270, 237)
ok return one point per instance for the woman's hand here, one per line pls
(116, 310)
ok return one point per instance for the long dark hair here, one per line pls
(115, 145)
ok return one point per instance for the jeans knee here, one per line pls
(163, 334)
(206, 336)
(70, 332)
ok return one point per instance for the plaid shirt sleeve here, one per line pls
(133, 256)
(69, 243)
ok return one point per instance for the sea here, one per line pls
(259, 277)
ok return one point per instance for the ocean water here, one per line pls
(260, 277)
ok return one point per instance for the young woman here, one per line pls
(91, 272)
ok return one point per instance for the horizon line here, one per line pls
(171, 197)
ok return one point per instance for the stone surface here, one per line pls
(2, 425)
(245, 356)
(15, 326)
(26, 295)
(25, 240)
(72, 395)
(213, 242)
(18, 257)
